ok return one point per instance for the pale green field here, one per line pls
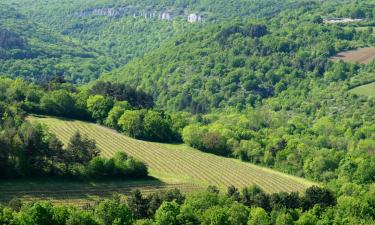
(368, 90)
(171, 166)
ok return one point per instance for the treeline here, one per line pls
(240, 64)
(115, 105)
(250, 207)
(32, 51)
(30, 150)
(318, 147)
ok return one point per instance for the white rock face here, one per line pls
(341, 20)
(165, 16)
(194, 18)
(139, 13)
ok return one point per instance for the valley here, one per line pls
(199, 112)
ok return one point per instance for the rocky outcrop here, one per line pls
(194, 18)
(139, 13)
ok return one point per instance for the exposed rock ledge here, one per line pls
(136, 13)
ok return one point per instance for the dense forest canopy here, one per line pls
(119, 39)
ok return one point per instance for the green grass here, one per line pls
(170, 166)
(368, 90)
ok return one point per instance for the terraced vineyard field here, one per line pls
(172, 165)
(368, 90)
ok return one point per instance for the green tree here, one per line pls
(113, 212)
(114, 116)
(81, 218)
(238, 214)
(138, 204)
(284, 219)
(81, 149)
(167, 214)
(258, 216)
(99, 107)
(59, 103)
(131, 123)
(307, 218)
(216, 215)
(192, 135)
(157, 127)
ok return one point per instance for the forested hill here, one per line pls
(127, 29)
(210, 9)
(30, 50)
(238, 64)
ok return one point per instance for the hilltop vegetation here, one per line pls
(31, 51)
(122, 37)
(239, 64)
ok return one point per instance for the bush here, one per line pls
(215, 143)
(120, 166)
(147, 125)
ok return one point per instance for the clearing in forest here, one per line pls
(368, 90)
(171, 166)
(361, 55)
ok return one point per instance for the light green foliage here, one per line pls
(114, 116)
(192, 135)
(238, 214)
(113, 212)
(307, 218)
(167, 214)
(131, 123)
(81, 218)
(216, 216)
(99, 106)
(258, 216)
(284, 219)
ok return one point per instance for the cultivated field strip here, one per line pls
(361, 55)
(179, 161)
(81, 194)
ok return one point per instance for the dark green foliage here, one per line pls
(122, 92)
(59, 103)
(148, 125)
(138, 204)
(10, 39)
(233, 193)
(29, 150)
(81, 149)
(215, 143)
(315, 195)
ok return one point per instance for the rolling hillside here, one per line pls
(127, 29)
(34, 52)
(179, 163)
